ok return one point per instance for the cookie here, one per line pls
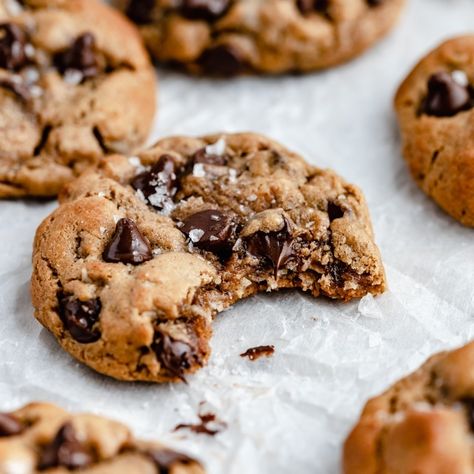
(41, 437)
(424, 423)
(75, 84)
(435, 108)
(230, 37)
(143, 252)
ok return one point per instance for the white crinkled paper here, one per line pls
(289, 413)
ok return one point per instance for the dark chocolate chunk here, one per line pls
(140, 11)
(165, 459)
(202, 157)
(127, 245)
(255, 353)
(275, 247)
(446, 97)
(222, 60)
(160, 184)
(208, 10)
(12, 47)
(468, 402)
(174, 355)
(308, 6)
(336, 270)
(210, 230)
(79, 318)
(334, 211)
(80, 56)
(374, 3)
(18, 88)
(9, 425)
(65, 451)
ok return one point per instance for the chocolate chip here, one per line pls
(160, 184)
(202, 157)
(165, 459)
(79, 318)
(275, 247)
(12, 47)
(222, 60)
(255, 353)
(80, 56)
(446, 97)
(374, 3)
(65, 451)
(210, 230)
(468, 402)
(174, 355)
(208, 10)
(140, 11)
(9, 425)
(334, 211)
(19, 89)
(127, 245)
(336, 271)
(308, 6)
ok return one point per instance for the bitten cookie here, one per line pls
(75, 85)
(142, 253)
(435, 107)
(423, 424)
(41, 437)
(230, 37)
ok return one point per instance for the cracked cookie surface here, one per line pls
(42, 437)
(424, 423)
(144, 251)
(435, 108)
(75, 85)
(230, 37)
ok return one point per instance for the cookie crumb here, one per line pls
(255, 353)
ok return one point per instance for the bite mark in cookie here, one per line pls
(242, 215)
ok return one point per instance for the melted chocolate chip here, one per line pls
(222, 60)
(202, 157)
(446, 97)
(127, 245)
(12, 47)
(208, 10)
(255, 353)
(468, 402)
(140, 11)
(165, 459)
(210, 230)
(275, 247)
(308, 6)
(334, 211)
(374, 3)
(80, 56)
(160, 184)
(79, 318)
(65, 451)
(19, 89)
(9, 425)
(174, 355)
(336, 270)
(209, 424)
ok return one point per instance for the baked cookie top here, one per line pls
(41, 437)
(424, 423)
(435, 108)
(143, 252)
(229, 37)
(75, 85)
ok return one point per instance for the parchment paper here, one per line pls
(289, 413)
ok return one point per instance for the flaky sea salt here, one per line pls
(217, 148)
(140, 195)
(232, 175)
(116, 218)
(460, 77)
(198, 170)
(102, 230)
(14, 8)
(251, 197)
(73, 77)
(195, 235)
(101, 194)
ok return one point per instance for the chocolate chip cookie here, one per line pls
(144, 251)
(435, 107)
(230, 37)
(75, 85)
(423, 424)
(41, 437)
